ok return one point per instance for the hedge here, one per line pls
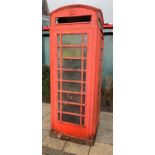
(45, 83)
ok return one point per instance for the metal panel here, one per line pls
(45, 49)
(107, 69)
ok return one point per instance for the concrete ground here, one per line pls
(103, 144)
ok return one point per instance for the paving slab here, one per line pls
(101, 149)
(105, 128)
(54, 143)
(45, 109)
(106, 124)
(45, 133)
(77, 149)
(50, 151)
(106, 117)
(46, 122)
(105, 136)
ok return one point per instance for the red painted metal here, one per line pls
(105, 26)
(45, 28)
(85, 97)
(108, 26)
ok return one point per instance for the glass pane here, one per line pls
(82, 120)
(58, 96)
(71, 97)
(58, 52)
(74, 52)
(66, 75)
(58, 106)
(58, 61)
(84, 87)
(58, 74)
(83, 110)
(83, 99)
(85, 52)
(85, 39)
(71, 64)
(84, 76)
(58, 116)
(71, 108)
(71, 39)
(71, 118)
(69, 86)
(58, 39)
(58, 85)
(84, 64)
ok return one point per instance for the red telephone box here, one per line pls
(76, 47)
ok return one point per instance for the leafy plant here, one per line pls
(45, 83)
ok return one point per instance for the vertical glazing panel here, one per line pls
(58, 39)
(83, 120)
(83, 109)
(58, 74)
(58, 96)
(58, 55)
(59, 116)
(84, 87)
(84, 65)
(58, 85)
(84, 76)
(83, 99)
(85, 39)
(58, 61)
(58, 106)
(71, 63)
(85, 52)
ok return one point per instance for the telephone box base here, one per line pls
(89, 142)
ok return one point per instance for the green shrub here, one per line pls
(45, 83)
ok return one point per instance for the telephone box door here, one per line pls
(71, 67)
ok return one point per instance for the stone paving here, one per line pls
(103, 144)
